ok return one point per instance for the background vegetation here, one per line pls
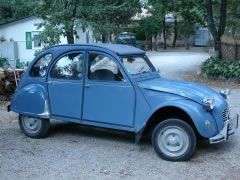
(228, 68)
(107, 17)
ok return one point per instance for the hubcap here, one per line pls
(31, 124)
(173, 141)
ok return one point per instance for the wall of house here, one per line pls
(84, 37)
(9, 50)
(16, 31)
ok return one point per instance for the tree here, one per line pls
(110, 16)
(185, 11)
(233, 16)
(104, 16)
(14, 9)
(149, 28)
(190, 15)
(159, 9)
(50, 36)
(61, 16)
(216, 26)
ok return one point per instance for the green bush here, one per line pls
(222, 68)
(3, 61)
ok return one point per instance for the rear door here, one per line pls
(65, 86)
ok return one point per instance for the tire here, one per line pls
(174, 140)
(34, 127)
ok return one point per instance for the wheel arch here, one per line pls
(167, 112)
(31, 100)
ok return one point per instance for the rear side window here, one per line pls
(39, 69)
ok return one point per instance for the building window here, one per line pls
(36, 40)
(28, 40)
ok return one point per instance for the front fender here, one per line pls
(31, 100)
(196, 112)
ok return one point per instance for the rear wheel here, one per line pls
(174, 140)
(34, 127)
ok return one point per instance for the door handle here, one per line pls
(87, 85)
(49, 82)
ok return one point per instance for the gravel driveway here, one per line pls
(175, 64)
(80, 152)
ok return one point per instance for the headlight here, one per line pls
(209, 103)
(225, 93)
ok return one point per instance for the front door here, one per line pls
(65, 86)
(108, 97)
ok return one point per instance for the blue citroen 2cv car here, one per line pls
(116, 86)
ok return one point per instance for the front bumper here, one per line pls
(229, 127)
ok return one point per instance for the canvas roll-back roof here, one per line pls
(116, 48)
(122, 49)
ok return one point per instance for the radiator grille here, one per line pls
(225, 114)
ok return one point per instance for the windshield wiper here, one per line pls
(142, 70)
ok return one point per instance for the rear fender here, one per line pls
(32, 100)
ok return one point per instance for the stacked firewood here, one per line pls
(7, 81)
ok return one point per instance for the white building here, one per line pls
(20, 39)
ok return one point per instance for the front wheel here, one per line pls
(34, 127)
(174, 140)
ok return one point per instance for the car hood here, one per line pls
(193, 91)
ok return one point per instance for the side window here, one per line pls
(103, 68)
(68, 67)
(39, 69)
(36, 41)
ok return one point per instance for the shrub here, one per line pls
(3, 61)
(221, 68)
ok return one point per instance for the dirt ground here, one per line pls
(79, 152)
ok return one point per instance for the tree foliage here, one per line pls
(186, 12)
(148, 26)
(104, 16)
(218, 68)
(233, 17)
(109, 16)
(14, 9)
(60, 16)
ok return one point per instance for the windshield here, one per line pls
(137, 64)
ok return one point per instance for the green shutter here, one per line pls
(28, 40)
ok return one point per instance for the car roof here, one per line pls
(119, 49)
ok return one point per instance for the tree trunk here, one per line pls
(105, 38)
(164, 34)
(154, 42)
(217, 45)
(146, 42)
(217, 34)
(150, 43)
(187, 36)
(187, 47)
(175, 33)
(70, 37)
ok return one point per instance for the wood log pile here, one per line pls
(7, 81)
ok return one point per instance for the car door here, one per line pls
(108, 96)
(65, 86)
